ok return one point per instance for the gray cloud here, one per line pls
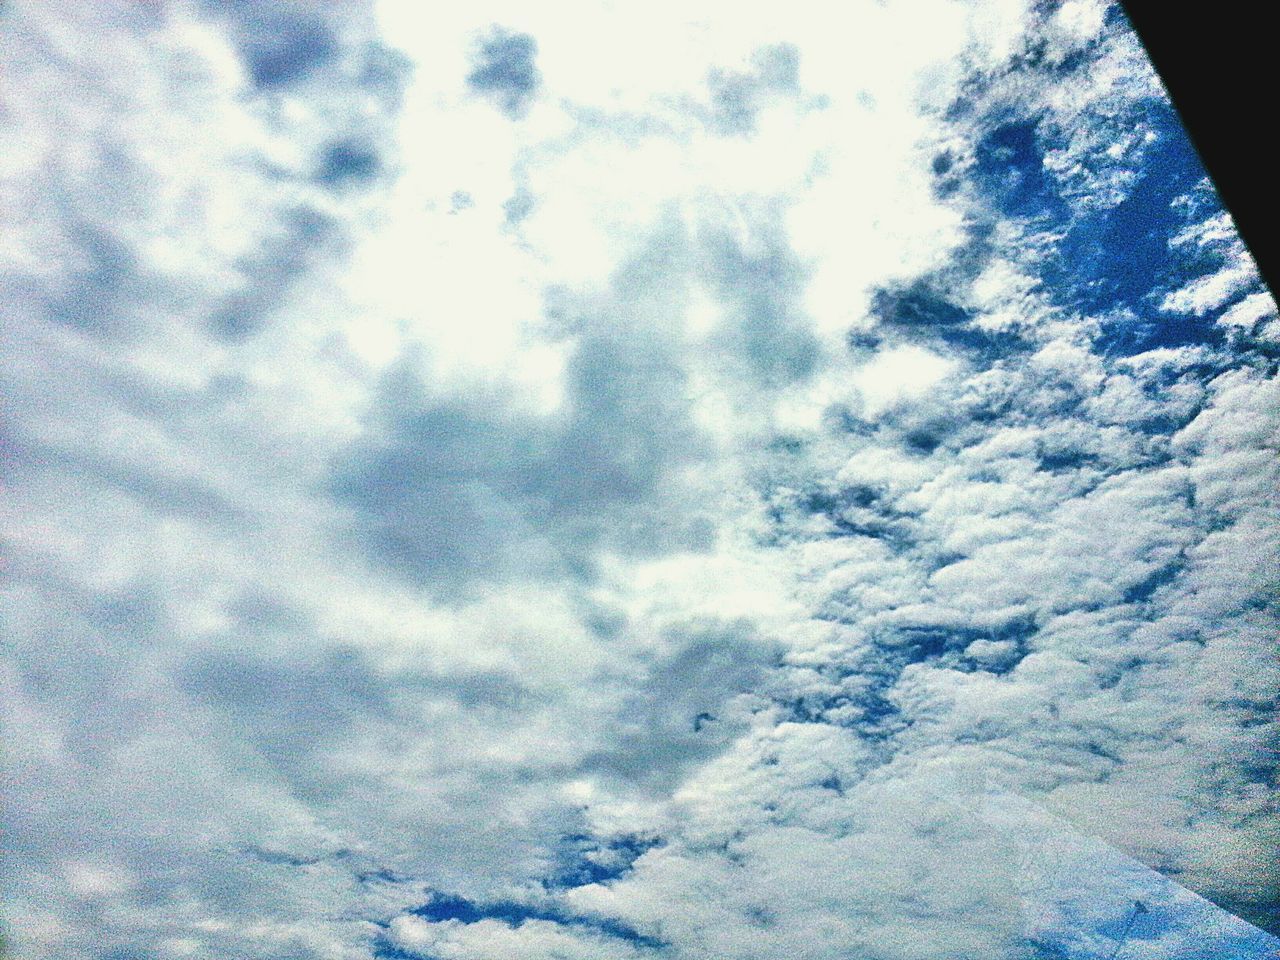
(282, 43)
(736, 98)
(346, 162)
(300, 239)
(680, 715)
(506, 70)
(767, 326)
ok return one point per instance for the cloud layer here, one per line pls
(605, 483)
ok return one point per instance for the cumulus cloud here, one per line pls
(814, 496)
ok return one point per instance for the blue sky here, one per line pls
(613, 482)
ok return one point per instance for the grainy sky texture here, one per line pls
(627, 481)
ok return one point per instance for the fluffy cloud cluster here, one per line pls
(473, 493)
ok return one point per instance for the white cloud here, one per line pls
(904, 373)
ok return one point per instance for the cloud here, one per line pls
(348, 161)
(760, 288)
(736, 98)
(287, 49)
(505, 69)
(895, 374)
(458, 491)
(717, 515)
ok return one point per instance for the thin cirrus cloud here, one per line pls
(623, 483)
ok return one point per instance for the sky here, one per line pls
(606, 481)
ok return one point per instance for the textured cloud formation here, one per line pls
(775, 486)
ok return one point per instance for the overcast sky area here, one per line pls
(627, 481)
